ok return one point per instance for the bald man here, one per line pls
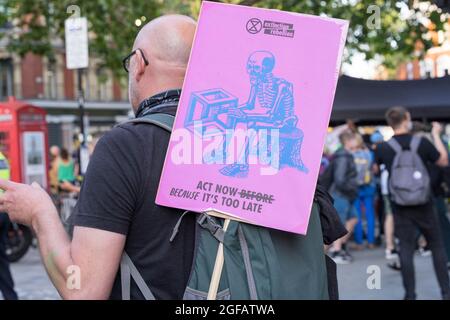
(116, 211)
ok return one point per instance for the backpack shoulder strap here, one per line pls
(127, 268)
(127, 271)
(393, 143)
(162, 120)
(247, 264)
(415, 141)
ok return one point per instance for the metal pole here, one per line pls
(81, 104)
(81, 110)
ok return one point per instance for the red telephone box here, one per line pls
(24, 141)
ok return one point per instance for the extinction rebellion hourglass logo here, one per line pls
(273, 28)
(254, 25)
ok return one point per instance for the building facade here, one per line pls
(50, 85)
(436, 62)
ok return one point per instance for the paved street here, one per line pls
(32, 281)
(353, 278)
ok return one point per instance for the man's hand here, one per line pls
(436, 128)
(96, 253)
(23, 202)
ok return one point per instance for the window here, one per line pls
(443, 65)
(51, 83)
(102, 85)
(409, 71)
(6, 78)
(427, 68)
(422, 69)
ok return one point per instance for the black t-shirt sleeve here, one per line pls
(112, 184)
(378, 153)
(428, 151)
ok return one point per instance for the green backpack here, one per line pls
(259, 263)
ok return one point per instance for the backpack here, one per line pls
(259, 263)
(327, 177)
(363, 163)
(409, 180)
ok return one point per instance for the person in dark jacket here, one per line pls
(6, 280)
(344, 190)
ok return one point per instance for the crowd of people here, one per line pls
(63, 171)
(63, 176)
(404, 182)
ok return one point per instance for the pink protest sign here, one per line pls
(253, 115)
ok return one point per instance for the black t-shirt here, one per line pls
(118, 195)
(384, 154)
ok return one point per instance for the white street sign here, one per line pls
(77, 53)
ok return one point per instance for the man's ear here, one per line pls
(140, 66)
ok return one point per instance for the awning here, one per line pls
(73, 104)
(367, 100)
(364, 101)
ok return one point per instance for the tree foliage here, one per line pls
(401, 33)
(37, 24)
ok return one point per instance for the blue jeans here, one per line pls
(344, 207)
(444, 222)
(366, 197)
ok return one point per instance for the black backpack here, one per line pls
(327, 177)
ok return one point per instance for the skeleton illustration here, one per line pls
(274, 94)
(276, 110)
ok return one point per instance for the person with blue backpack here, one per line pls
(406, 157)
(364, 161)
(340, 179)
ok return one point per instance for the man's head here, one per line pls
(165, 43)
(399, 119)
(65, 154)
(349, 141)
(54, 151)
